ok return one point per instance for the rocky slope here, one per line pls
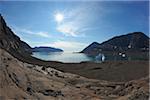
(19, 80)
(16, 47)
(136, 41)
(10, 42)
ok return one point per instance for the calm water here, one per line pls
(63, 57)
(80, 57)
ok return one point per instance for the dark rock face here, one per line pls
(91, 49)
(46, 49)
(10, 42)
(51, 93)
(136, 41)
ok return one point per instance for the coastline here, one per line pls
(108, 70)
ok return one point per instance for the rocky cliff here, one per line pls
(11, 42)
(16, 47)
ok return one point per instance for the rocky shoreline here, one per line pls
(21, 80)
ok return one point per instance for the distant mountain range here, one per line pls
(136, 41)
(46, 49)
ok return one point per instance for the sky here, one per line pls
(73, 25)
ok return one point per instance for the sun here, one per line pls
(59, 17)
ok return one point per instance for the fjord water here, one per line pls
(66, 57)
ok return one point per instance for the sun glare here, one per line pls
(59, 17)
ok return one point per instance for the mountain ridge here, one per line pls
(136, 41)
(46, 49)
(11, 42)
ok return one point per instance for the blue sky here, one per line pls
(83, 21)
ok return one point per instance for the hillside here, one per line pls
(136, 41)
(11, 42)
(20, 80)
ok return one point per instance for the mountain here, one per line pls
(136, 41)
(11, 42)
(92, 49)
(15, 46)
(23, 77)
(46, 49)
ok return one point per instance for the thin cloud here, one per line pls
(73, 22)
(76, 20)
(67, 30)
(69, 46)
(40, 33)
